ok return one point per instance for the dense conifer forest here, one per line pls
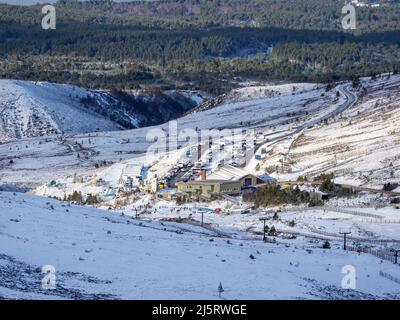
(209, 45)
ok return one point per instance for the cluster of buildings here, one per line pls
(226, 181)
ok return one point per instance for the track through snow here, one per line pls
(97, 255)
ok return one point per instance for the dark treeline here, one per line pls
(288, 14)
(110, 42)
(197, 44)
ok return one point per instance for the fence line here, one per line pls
(389, 221)
(376, 241)
(315, 232)
(304, 234)
(340, 210)
(353, 212)
(389, 276)
(379, 254)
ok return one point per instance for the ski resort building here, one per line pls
(131, 177)
(209, 188)
(226, 180)
(230, 173)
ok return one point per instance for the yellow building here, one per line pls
(209, 188)
(227, 180)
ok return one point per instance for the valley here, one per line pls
(40, 109)
(200, 150)
(291, 132)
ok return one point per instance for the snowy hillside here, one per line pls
(255, 92)
(165, 253)
(40, 160)
(36, 109)
(361, 146)
(30, 109)
(98, 255)
(309, 125)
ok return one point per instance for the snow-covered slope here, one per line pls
(30, 109)
(290, 121)
(255, 92)
(39, 160)
(96, 254)
(361, 147)
(35, 109)
(359, 142)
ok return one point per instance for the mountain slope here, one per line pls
(29, 109)
(99, 255)
(361, 146)
(40, 160)
(283, 119)
(38, 109)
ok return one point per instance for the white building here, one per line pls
(131, 176)
(230, 173)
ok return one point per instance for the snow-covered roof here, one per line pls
(228, 172)
(396, 190)
(133, 170)
(265, 177)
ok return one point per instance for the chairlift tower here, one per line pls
(264, 219)
(396, 254)
(344, 232)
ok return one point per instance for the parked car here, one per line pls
(198, 165)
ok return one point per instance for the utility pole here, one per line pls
(344, 233)
(202, 218)
(264, 219)
(396, 255)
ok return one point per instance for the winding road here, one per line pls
(350, 100)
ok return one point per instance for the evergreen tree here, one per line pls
(272, 232)
(326, 245)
